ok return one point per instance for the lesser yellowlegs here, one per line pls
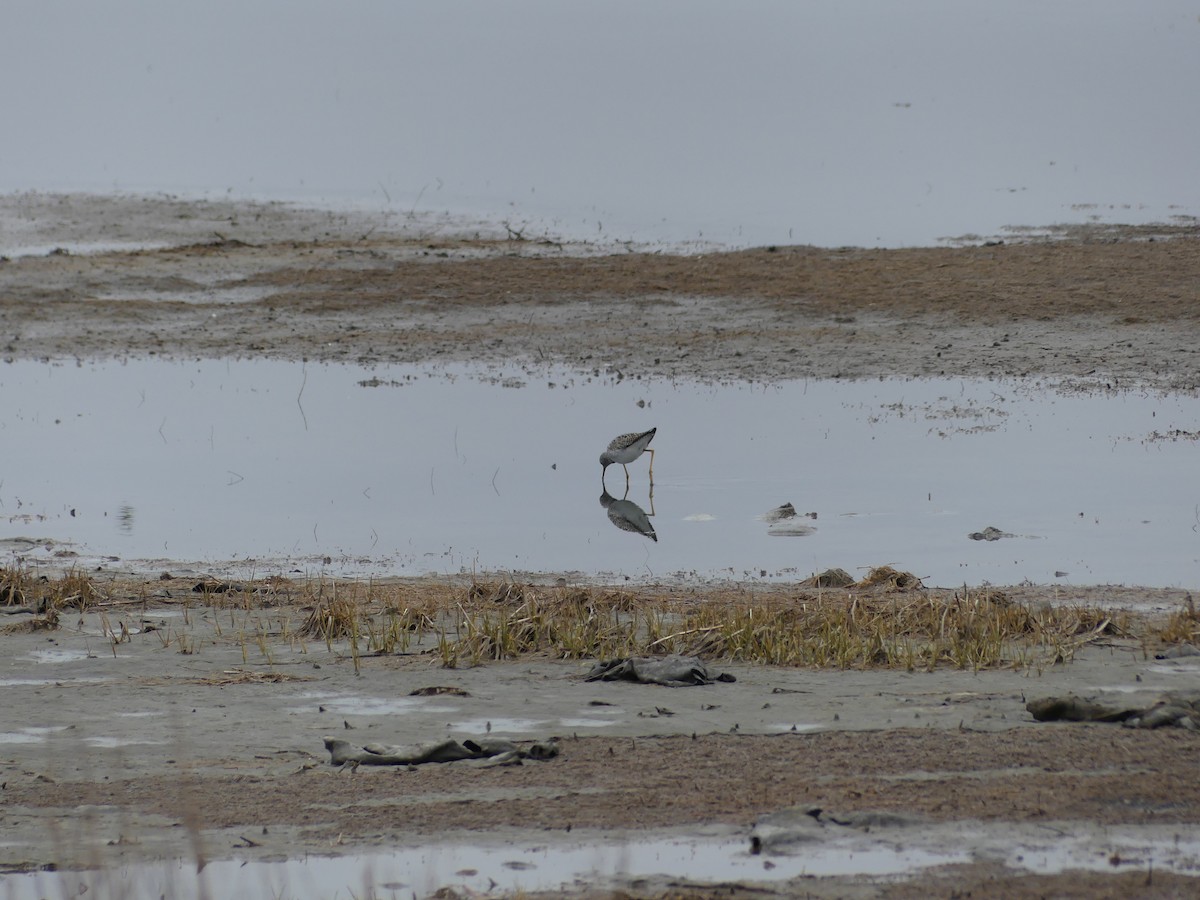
(625, 449)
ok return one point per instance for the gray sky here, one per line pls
(827, 123)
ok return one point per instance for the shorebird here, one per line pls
(625, 449)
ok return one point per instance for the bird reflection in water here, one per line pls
(627, 515)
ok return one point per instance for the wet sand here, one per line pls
(169, 754)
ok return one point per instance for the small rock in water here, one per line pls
(989, 534)
(779, 513)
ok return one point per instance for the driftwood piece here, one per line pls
(1175, 708)
(1180, 651)
(492, 751)
(1077, 709)
(673, 671)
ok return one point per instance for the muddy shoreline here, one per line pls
(1094, 308)
(158, 725)
(145, 750)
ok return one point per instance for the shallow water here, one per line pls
(29, 734)
(397, 470)
(46, 682)
(114, 742)
(549, 865)
(752, 123)
(368, 706)
(60, 655)
(505, 868)
(498, 726)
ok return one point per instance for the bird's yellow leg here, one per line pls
(651, 452)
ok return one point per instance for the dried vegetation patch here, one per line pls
(888, 619)
(43, 597)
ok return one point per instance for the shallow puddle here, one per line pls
(366, 706)
(498, 725)
(796, 727)
(21, 737)
(1180, 854)
(112, 742)
(590, 721)
(81, 248)
(514, 867)
(31, 734)
(46, 682)
(397, 470)
(507, 868)
(59, 655)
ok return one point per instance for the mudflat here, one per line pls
(1094, 306)
(156, 722)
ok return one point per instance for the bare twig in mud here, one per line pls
(412, 212)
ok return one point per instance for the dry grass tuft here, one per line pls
(20, 587)
(888, 619)
(1182, 626)
(565, 624)
(333, 619)
(74, 590)
(891, 579)
(14, 585)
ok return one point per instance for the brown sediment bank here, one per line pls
(1093, 306)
